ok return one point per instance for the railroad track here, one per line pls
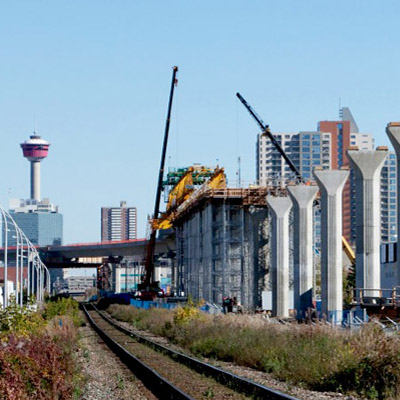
(170, 374)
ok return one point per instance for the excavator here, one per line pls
(267, 132)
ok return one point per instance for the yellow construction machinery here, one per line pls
(348, 251)
(185, 187)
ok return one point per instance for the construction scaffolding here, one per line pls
(222, 244)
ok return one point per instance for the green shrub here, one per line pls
(63, 307)
(22, 321)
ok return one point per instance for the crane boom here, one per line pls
(149, 266)
(266, 131)
(265, 128)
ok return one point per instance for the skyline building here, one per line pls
(306, 150)
(345, 134)
(327, 148)
(40, 221)
(389, 199)
(118, 223)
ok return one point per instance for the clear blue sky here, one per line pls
(96, 74)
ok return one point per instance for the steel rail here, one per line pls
(225, 378)
(158, 385)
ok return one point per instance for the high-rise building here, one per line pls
(39, 219)
(344, 134)
(118, 223)
(327, 148)
(306, 150)
(389, 199)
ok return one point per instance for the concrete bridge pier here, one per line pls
(280, 208)
(367, 166)
(331, 183)
(302, 197)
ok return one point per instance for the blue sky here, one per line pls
(97, 73)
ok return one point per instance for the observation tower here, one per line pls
(35, 149)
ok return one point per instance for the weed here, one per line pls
(86, 354)
(120, 382)
(209, 393)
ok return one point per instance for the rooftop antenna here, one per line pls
(34, 125)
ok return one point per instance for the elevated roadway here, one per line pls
(69, 256)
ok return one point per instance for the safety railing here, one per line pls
(377, 297)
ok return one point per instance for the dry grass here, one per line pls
(315, 357)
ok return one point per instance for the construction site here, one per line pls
(222, 236)
(258, 247)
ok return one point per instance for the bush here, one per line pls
(63, 307)
(37, 355)
(22, 321)
(35, 367)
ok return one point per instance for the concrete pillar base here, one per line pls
(302, 197)
(331, 183)
(280, 208)
(367, 166)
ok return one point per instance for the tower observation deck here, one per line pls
(35, 149)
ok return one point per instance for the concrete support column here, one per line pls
(302, 197)
(367, 166)
(331, 183)
(393, 132)
(35, 180)
(280, 208)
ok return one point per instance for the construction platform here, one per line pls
(222, 244)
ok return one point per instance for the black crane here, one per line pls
(266, 131)
(148, 286)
